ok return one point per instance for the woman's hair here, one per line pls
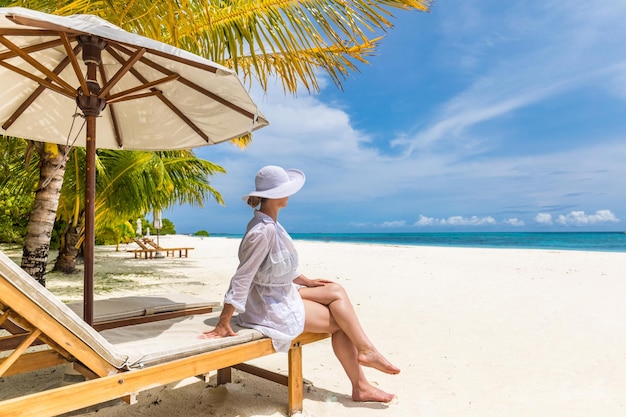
(254, 201)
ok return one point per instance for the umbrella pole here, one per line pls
(91, 106)
(90, 208)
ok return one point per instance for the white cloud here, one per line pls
(514, 222)
(574, 218)
(579, 218)
(544, 218)
(455, 221)
(469, 221)
(425, 221)
(392, 224)
(484, 101)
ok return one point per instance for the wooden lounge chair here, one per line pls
(144, 251)
(123, 361)
(149, 249)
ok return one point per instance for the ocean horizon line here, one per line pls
(601, 241)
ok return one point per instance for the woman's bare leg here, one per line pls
(336, 299)
(319, 319)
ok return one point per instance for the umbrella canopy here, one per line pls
(57, 71)
(157, 97)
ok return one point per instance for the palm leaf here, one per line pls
(260, 39)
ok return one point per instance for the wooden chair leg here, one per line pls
(295, 385)
(224, 376)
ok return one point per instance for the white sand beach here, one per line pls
(476, 332)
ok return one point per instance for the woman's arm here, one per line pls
(223, 328)
(253, 251)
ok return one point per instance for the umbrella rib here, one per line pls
(153, 92)
(27, 32)
(190, 84)
(116, 127)
(195, 64)
(121, 96)
(217, 98)
(44, 82)
(122, 71)
(36, 23)
(34, 63)
(32, 48)
(160, 95)
(37, 92)
(182, 116)
(74, 61)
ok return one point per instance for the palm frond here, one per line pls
(276, 37)
(294, 40)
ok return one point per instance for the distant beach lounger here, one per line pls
(120, 362)
(149, 249)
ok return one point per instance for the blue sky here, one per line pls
(481, 115)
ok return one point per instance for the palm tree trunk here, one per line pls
(53, 159)
(66, 261)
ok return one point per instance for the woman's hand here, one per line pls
(302, 280)
(319, 282)
(223, 328)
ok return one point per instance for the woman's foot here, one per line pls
(374, 359)
(371, 393)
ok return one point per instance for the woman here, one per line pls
(272, 297)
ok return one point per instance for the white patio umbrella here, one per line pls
(56, 71)
(158, 224)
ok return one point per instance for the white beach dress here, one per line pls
(262, 290)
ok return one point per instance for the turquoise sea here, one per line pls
(585, 241)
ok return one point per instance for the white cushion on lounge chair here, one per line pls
(165, 340)
(136, 306)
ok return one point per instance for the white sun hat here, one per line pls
(275, 182)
